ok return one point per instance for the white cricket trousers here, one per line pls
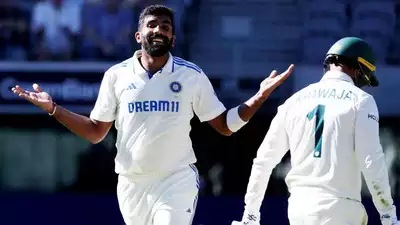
(159, 200)
(308, 210)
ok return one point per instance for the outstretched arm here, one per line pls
(232, 120)
(93, 129)
(89, 129)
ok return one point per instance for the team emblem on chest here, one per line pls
(175, 87)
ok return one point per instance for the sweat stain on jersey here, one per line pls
(382, 200)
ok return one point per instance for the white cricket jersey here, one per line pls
(152, 115)
(332, 130)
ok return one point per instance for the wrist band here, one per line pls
(54, 110)
(233, 120)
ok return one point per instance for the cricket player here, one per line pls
(332, 131)
(151, 97)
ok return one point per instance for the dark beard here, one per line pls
(157, 50)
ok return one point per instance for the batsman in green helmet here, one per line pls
(331, 129)
(356, 57)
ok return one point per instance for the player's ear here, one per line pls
(138, 37)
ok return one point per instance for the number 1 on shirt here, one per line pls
(318, 112)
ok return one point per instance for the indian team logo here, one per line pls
(175, 87)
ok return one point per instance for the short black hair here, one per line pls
(340, 60)
(156, 10)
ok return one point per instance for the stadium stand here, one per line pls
(375, 22)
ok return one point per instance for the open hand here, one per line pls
(37, 97)
(270, 83)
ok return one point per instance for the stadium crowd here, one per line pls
(74, 29)
(103, 29)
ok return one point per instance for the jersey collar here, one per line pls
(138, 69)
(336, 75)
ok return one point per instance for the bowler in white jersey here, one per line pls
(332, 131)
(151, 97)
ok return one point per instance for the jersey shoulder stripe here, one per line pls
(187, 64)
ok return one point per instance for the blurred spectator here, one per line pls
(14, 33)
(179, 7)
(141, 4)
(108, 31)
(55, 26)
(76, 2)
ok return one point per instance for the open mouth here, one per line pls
(157, 41)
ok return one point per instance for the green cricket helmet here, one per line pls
(357, 54)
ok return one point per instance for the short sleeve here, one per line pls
(106, 104)
(206, 104)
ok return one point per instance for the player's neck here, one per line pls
(342, 69)
(153, 64)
